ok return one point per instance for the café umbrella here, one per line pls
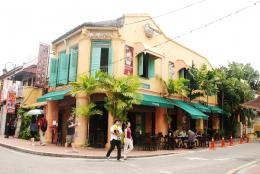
(36, 112)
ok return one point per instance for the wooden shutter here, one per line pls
(140, 64)
(150, 67)
(110, 61)
(95, 60)
(73, 65)
(181, 73)
(63, 69)
(53, 72)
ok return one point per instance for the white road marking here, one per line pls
(233, 171)
(165, 172)
(197, 158)
(222, 159)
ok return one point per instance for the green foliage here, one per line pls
(84, 85)
(87, 110)
(25, 126)
(236, 84)
(121, 93)
(178, 86)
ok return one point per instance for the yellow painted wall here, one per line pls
(257, 123)
(31, 94)
(129, 35)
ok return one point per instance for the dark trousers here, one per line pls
(114, 143)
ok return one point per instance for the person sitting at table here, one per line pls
(182, 133)
(176, 138)
(191, 139)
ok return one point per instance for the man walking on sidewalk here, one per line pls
(115, 139)
(43, 125)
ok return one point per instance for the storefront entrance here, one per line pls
(98, 128)
(142, 120)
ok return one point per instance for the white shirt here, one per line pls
(113, 135)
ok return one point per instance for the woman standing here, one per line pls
(33, 128)
(128, 147)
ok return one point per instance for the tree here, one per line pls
(178, 86)
(194, 83)
(202, 82)
(121, 93)
(86, 85)
(236, 84)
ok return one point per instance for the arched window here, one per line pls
(183, 73)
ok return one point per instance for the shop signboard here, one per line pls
(42, 65)
(10, 102)
(128, 70)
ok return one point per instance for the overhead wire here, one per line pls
(167, 13)
(190, 31)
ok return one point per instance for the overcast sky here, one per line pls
(24, 24)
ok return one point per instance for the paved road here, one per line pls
(197, 162)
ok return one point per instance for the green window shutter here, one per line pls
(95, 60)
(73, 65)
(63, 69)
(150, 67)
(53, 72)
(181, 73)
(110, 61)
(140, 64)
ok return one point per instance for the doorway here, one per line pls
(98, 127)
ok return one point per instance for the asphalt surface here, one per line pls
(220, 161)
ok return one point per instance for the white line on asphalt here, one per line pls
(233, 171)
(165, 172)
(222, 159)
(197, 158)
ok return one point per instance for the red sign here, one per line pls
(129, 52)
(10, 102)
(42, 65)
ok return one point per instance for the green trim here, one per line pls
(55, 95)
(195, 113)
(53, 72)
(152, 100)
(201, 107)
(216, 109)
(151, 67)
(140, 64)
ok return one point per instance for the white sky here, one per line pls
(24, 24)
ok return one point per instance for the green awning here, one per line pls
(216, 109)
(201, 107)
(195, 113)
(152, 100)
(55, 95)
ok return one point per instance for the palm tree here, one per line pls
(86, 85)
(177, 86)
(121, 93)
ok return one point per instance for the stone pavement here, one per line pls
(60, 151)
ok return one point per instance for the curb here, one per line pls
(16, 148)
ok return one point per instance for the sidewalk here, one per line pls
(90, 153)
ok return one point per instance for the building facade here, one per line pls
(18, 90)
(130, 45)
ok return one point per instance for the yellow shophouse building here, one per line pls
(130, 45)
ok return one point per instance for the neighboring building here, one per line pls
(121, 47)
(8, 90)
(18, 90)
(27, 91)
(255, 105)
